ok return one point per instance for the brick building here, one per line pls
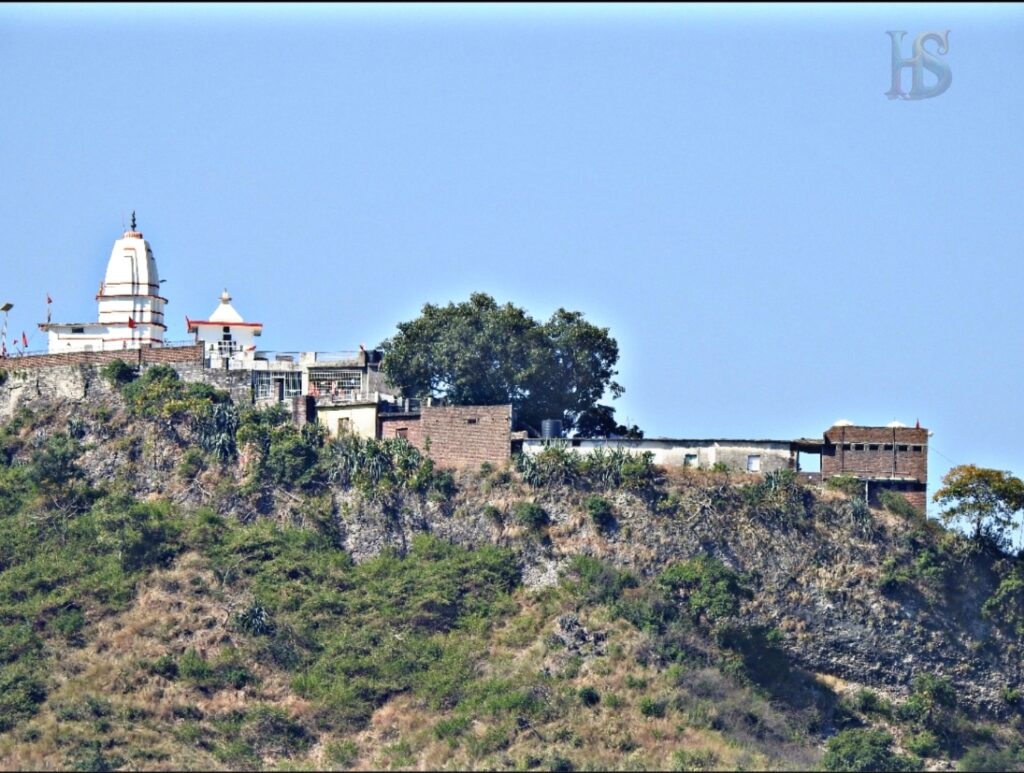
(457, 435)
(894, 457)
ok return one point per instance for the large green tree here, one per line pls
(481, 353)
(987, 501)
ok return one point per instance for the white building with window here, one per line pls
(131, 309)
(229, 342)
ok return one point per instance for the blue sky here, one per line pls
(773, 242)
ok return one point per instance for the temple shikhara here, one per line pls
(131, 309)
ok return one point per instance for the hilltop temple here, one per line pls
(131, 309)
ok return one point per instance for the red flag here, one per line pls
(48, 298)
(131, 323)
(24, 339)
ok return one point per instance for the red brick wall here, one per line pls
(161, 354)
(839, 455)
(390, 423)
(458, 435)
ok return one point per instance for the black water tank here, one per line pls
(551, 428)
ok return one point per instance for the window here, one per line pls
(916, 449)
(329, 381)
(690, 460)
(754, 463)
(846, 447)
(344, 425)
(471, 421)
(903, 448)
(263, 383)
(873, 447)
(888, 446)
(78, 330)
(858, 446)
(225, 329)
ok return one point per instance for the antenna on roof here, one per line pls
(133, 219)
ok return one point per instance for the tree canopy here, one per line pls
(988, 501)
(480, 353)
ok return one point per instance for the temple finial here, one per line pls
(133, 219)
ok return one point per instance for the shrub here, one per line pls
(589, 696)
(493, 514)
(255, 620)
(531, 515)
(898, 505)
(847, 484)
(118, 372)
(923, 744)
(864, 750)
(342, 753)
(651, 707)
(600, 511)
(712, 591)
(451, 727)
(870, 702)
(696, 760)
(984, 759)
(937, 691)
(164, 666)
(192, 463)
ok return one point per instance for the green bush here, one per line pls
(600, 511)
(650, 707)
(685, 760)
(118, 372)
(864, 750)
(935, 690)
(589, 696)
(983, 759)
(342, 753)
(923, 744)
(712, 591)
(898, 505)
(848, 484)
(531, 515)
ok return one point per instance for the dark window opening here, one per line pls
(858, 446)
(225, 329)
(888, 446)
(77, 330)
(873, 447)
(903, 448)
(916, 449)
(470, 421)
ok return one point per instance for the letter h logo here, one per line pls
(921, 61)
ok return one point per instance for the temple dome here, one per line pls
(131, 269)
(225, 312)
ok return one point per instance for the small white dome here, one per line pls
(225, 312)
(843, 423)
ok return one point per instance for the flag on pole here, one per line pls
(24, 339)
(49, 300)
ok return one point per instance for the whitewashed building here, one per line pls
(131, 309)
(229, 342)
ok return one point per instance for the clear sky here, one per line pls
(773, 242)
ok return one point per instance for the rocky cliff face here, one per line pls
(843, 584)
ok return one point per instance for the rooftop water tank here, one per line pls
(551, 428)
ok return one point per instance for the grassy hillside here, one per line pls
(184, 585)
